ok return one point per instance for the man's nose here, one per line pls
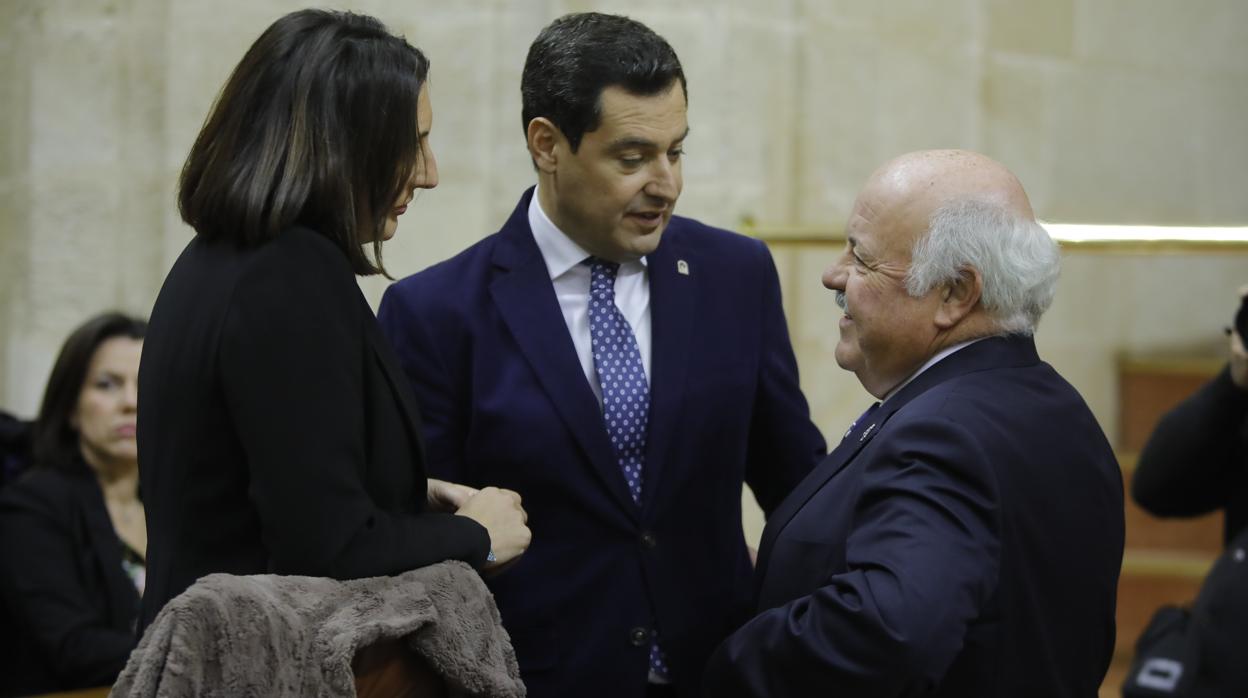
(834, 276)
(665, 181)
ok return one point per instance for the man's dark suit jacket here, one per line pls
(70, 607)
(276, 431)
(962, 541)
(506, 403)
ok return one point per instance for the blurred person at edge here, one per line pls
(278, 434)
(72, 535)
(1196, 462)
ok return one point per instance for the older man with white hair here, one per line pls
(965, 537)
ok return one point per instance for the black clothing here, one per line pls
(71, 606)
(1196, 460)
(277, 433)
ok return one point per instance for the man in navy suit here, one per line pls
(623, 369)
(965, 537)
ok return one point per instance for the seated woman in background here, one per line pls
(72, 532)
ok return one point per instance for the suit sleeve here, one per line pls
(442, 410)
(921, 559)
(784, 444)
(42, 587)
(1195, 453)
(293, 361)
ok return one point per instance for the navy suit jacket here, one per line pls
(963, 540)
(506, 403)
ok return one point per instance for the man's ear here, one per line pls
(959, 298)
(544, 139)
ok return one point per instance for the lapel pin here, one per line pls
(682, 267)
(864, 434)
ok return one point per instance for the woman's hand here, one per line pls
(499, 511)
(448, 496)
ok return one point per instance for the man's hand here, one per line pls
(1239, 357)
(504, 519)
(448, 496)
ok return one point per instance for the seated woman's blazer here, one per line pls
(68, 605)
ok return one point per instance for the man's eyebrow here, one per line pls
(631, 142)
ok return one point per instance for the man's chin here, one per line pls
(847, 357)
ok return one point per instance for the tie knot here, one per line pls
(602, 275)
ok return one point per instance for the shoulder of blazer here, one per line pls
(306, 250)
(449, 288)
(47, 491)
(301, 262)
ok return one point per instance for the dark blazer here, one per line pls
(276, 432)
(70, 606)
(1196, 460)
(506, 403)
(963, 541)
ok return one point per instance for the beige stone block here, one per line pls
(1127, 147)
(73, 81)
(927, 100)
(1165, 36)
(16, 21)
(942, 28)
(838, 141)
(1222, 159)
(1019, 117)
(849, 13)
(1025, 26)
(740, 157)
(75, 259)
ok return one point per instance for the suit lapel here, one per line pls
(833, 464)
(672, 306)
(526, 300)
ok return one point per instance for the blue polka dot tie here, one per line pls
(625, 392)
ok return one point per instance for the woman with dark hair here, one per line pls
(278, 434)
(72, 532)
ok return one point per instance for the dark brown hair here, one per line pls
(316, 126)
(579, 55)
(55, 440)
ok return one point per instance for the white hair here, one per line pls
(1016, 257)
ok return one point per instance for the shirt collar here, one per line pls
(559, 251)
(931, 362)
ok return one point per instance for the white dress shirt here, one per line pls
(570, 277)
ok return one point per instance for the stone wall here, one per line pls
(1109, 111)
